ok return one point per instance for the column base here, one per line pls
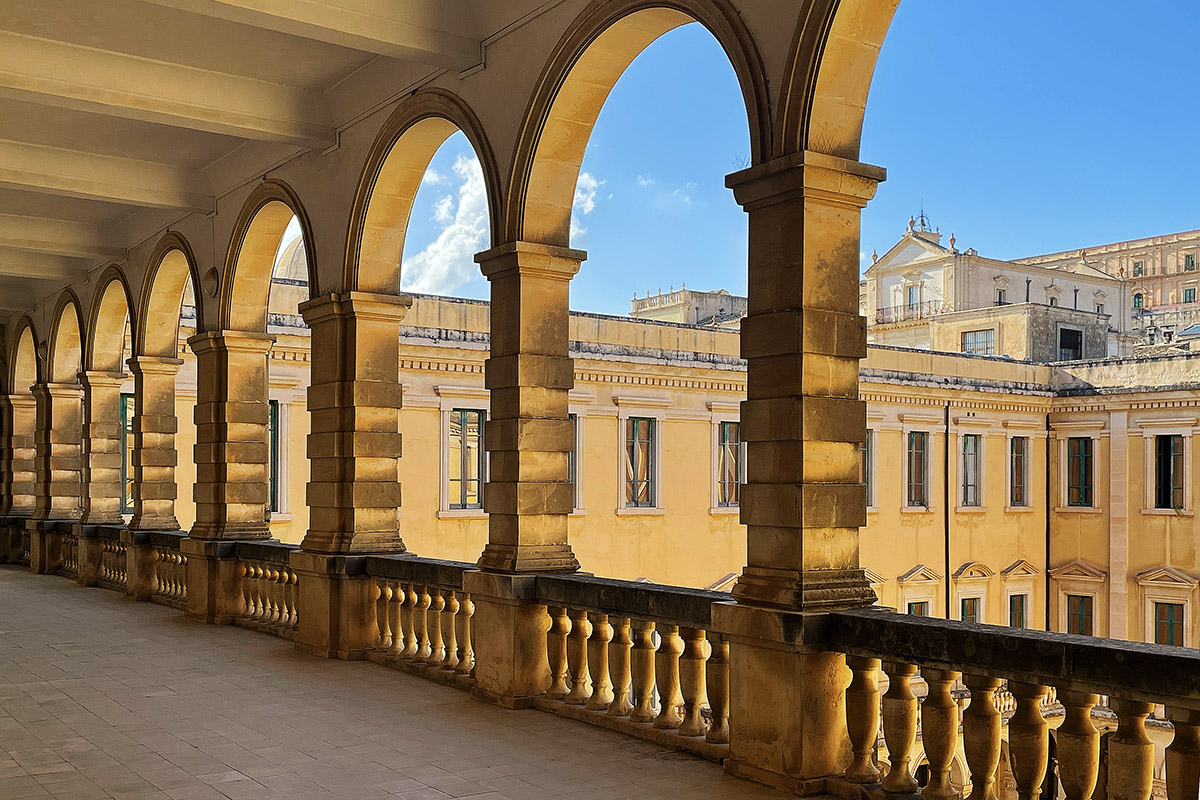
(528, 558)
(140, 557)
(214, 589)
(817, 589)
(789, 729)
(510, 626)
(156, 522)
(229, 531)
(87, 554)
(336, 603)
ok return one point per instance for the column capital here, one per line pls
(230, 341)
(61, 390)
(838, 181)
(95, 379)
(27, 401)
(154, 365)
(532, 259)
(360, 305)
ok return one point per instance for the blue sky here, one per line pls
(1021, 127)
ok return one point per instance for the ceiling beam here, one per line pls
(369, 26)
(120, 85)
(39, 266)
(73, 173)
(59, 237)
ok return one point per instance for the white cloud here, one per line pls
(646, 180)
(432, 177)
(449, 261)
(584, 202)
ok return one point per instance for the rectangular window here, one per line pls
(867, 466)
(1168, 624)
(1079, 471)
(1053, 302)
(466, 458)
(729, 437)
(1168, 472)
(1016, 610)
(920, 609)
(1070, 344)
(969, 609)
(1001, 297)
(979, 343)
(127, 412)
(639, 463)
(918, 468)
(573, 460)
(1189, 261)
(1099, 308)
(914, 296)
(1018, 494)
(1079, 614)
(970, 472)
(1138, 269)
(1189, 295)
(273, 465)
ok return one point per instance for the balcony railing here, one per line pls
(908, 312)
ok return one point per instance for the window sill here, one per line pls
(970, 509)
(1078, 510)
(641, 512)
(916, 509)
(1167, 512)
(1018, 509)
(579, 512)
(725, 511)
(872, 509)
(462, 513)
(278, 516)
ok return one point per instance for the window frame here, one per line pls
(1024, 610)
(1189, 262)
(1090, 615)
(127, 412)
(654, 409)
(1068, 468)
(1139, 269)
(1023, 469)
(866, 466)
(910, 437)
(1158, 605)
(1062, 328)
(449, 399)
(1189, 294)
(462, 504)
(965, 499)
(1167, 586)
(977, 608)
(723, 482)
(989, 342)
(1151, 430)
(274, 455)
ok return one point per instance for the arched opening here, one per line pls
(22, 411)
(66, 343)
(58, 435)
(108, 498)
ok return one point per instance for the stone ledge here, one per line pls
(696, 745)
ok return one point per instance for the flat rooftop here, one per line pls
(102, 697)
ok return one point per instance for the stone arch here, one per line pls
(246, 282)
(108, 316)
(395, 167)
(828, 76)
(156, 329)
(66, 340)
(25, 365)
(585, 65)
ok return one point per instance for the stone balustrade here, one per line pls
(1028, 666)
(113, 570)
(423, 617)
(170, 570)
(268, 585)
(639, 658)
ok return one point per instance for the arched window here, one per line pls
(1137, 300)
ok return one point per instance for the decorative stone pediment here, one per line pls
(724, 584)
(918, 574)
(873, 577)
(1078, 570)
(1166, 576)
(1020, 569)
(1001, 281)
(973, 570)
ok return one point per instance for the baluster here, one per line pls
(1183, 755)
(433, 621)
(255, 573)
(691, 682)
(862, 718)
(1028, 739)
(939, 732)
(247, 573)
(1078, 747)
(293, 580)
(408, 622)
(556, 653)
(462, 635)
(642, 661)
(1130, 752)
(666, 673)
(899, 727)
(183, 585)
(396, 597)
(274, 593)
(618, 668)
(597, 662)
(448, 633)
(981, 736)
(421, 623)
(172, 575)
(717, 677)
(577, 665)
(381, 615)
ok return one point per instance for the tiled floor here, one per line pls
(101, 697)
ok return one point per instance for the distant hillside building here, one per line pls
(718, 309)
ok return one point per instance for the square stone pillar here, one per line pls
(58, 443)
(140, 559)
(529, 438)
(17, 466)
(154, 455)
(102, 432)
(803, 504)
(232, 447)
(354, 447)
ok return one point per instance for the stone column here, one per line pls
(354, 448)
(803, 423)
(231, 454)
(529, 438)
(20, 475)
(102, 434)
(154, 455)
(58, 440)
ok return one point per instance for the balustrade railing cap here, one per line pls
(673, 605)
